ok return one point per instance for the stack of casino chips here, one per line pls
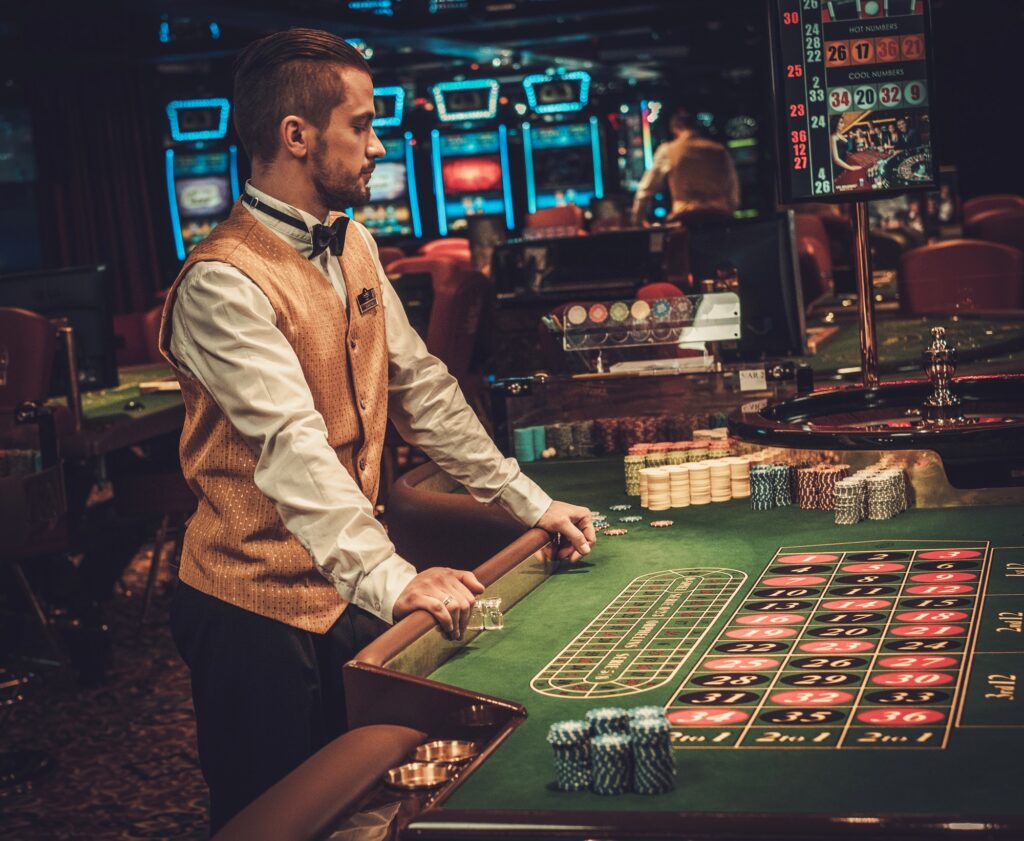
(633, 464)
(679, 485)
(781, 485)
(526, 451)
(739, 477)
(583, 439)
(766, 483)
(653, 766)
(816, 484)
(559, 436)
(570, 741)
(850, 500)
(658, 486)
(611, 763)
(710, 434)
(608, 434)
(887, 494)
(700, 483)
(721, 480)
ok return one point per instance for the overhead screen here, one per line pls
(852, 98)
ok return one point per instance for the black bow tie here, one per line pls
(329, 236)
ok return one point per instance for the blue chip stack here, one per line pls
(571, 743)
(781, 484)
(524, 444)
(605, 720)
(653, 766)
(611, 763)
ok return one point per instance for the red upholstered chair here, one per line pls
(1004, 225)
(961, 275)
(811, 227)
(441, 246)
(389, 254)
(653, 291)
(996, 201)
(566, 216)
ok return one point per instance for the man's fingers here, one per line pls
(439, 611)
(589, 532)
(470, 581)
(576, 538)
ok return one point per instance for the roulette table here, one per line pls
(908, 168)
(820, 680)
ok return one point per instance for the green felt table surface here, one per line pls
(108, 405)
(977, 773)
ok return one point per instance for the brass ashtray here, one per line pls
(417, 776)
(446, 750)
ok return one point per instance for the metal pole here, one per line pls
(865, 297)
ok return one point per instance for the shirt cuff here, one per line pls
(380, 588)
(524, 499)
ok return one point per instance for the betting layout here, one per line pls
(852, 83)
(640, 640)
(852, 646)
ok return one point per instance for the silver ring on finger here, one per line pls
(447, 601)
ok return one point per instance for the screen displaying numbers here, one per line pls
(852, 86)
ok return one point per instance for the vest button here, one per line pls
(362, 464)
(352, 343)
(362, 403)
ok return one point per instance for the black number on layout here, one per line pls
(717, 698)
(908, 696)
(868, 578)
(863, 591)
(849, 618)
(947, 566)
(935, 603)
(828, 663)
(781, 607)
(820, 679)
(877, 557)
(838, 631)
(788, 593)
(924, 645)
(751, 647)
(805, 569)
(730, 679)
(802, 716)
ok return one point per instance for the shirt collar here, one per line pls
(301, 241)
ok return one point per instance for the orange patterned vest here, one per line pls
(236, 546)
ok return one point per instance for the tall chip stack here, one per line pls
(739, 477)
(679, 485)
(570, 741)
(721, 480)
(653, 766)
(633, 464)
(700, 483)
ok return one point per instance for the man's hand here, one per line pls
(449, 594)
(572, 524)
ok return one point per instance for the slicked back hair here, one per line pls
(291, 72)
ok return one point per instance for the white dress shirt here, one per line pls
(224, 333)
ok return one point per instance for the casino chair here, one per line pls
(445, 245)
(983, 204)
(654, 291)
(1003, 225)
(566, 217)
(389, 254)
(961, 275)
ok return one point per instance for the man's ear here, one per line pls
(295, 136)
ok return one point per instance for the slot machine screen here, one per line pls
(563, 165)
(471, 173)
(202, 186)
(852, 96)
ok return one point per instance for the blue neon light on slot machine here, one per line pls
(561, 146)
(200, 168)
(469, 155)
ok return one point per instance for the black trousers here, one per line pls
(267, 696)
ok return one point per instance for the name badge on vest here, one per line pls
(367, 301)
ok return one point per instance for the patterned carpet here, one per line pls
(124, 758)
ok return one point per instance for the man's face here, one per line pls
(901, 125)
(343, 154)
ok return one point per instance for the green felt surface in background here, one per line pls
(978, 773)
(107, 406)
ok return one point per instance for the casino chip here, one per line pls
(661, 308)
(632, 518)
(661, 524)
(615, 532)
(619, 507)
(570, 741)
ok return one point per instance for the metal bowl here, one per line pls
(417, 776)
(477, 715)
(446, 750)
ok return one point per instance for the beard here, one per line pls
(336, 191)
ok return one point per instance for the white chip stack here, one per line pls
(721, 481)
(700, 483)
(739, 477)
(658, 488)
(679, 485)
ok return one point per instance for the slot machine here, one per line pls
(469, 156)
(561, 146)
(741, 137)
(393, 212)
(201, 169)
